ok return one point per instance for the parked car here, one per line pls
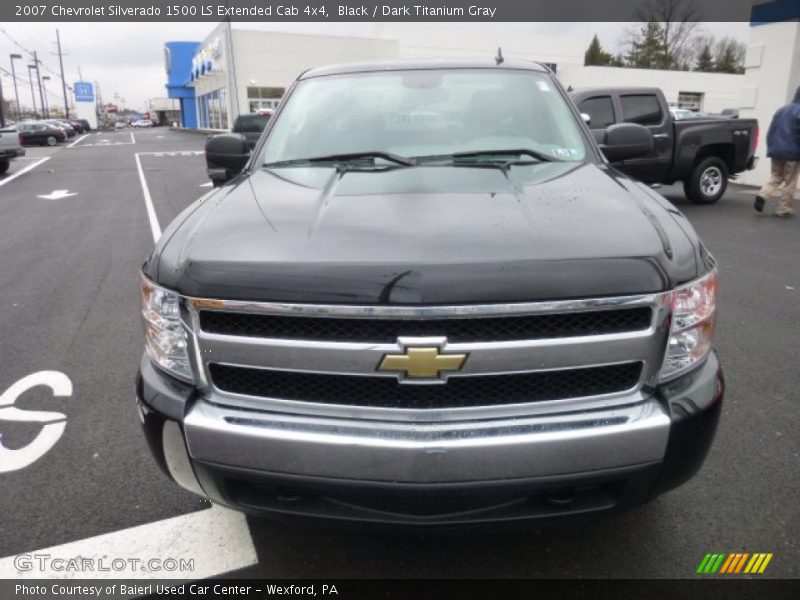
(86, 126)
(10, 147)
(250, 126)
(143, 123)
(703, 153)
(31, 133)
(77, 125)
(427, 298)
(120, 125)
(68, 129)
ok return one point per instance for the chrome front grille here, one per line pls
(457, 392)
(523, 359)
(456, 329)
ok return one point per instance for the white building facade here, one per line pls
(237, 70)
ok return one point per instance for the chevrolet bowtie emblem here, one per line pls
(422, 363)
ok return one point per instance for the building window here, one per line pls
(263, 97)
(212, 110)
(690, 100)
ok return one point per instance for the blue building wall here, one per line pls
(178, 56)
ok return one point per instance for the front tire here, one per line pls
(708, 181)
(4, 164)
(51, 140)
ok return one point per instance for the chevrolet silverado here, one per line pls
(426, 298)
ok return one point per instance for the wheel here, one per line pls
(4, 164)
(51, 140)
(708, 181)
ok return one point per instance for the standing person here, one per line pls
(783, 149)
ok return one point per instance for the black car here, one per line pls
(249, 126)
(85, 124)
(69, 130)
(41, 134)
(427, 297)
(76, 125)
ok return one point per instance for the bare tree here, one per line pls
(679, 20)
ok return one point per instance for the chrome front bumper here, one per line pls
(428, 452)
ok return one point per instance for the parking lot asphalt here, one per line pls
(73, 234)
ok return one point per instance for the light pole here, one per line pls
(33, 95)
(46, 105)
(14, 79)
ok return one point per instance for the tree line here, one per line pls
(670, 37)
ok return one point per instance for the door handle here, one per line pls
(660, 136)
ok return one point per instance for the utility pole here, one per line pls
(39, 80)
(63, 81)
(14, 79)
(2, 115)
(33, 95)
(46, 105)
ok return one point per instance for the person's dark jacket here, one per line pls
(783, 137)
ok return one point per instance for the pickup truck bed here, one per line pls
(702, 153)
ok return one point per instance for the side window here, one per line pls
(642, 109)
(600, 110)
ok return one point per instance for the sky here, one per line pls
(127, 61)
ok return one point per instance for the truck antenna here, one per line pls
(499, 58)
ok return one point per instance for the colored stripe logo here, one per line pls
(734, 563)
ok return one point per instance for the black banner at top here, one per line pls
(374, 10)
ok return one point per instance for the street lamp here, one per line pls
(14, 79)
(46, 105)
(33, 95)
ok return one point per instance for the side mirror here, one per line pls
(626, 140)
(226, 156)
(586, 118)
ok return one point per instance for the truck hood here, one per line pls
(425, 235)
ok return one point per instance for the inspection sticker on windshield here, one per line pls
(543, 86)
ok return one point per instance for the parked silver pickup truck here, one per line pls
(10, 147)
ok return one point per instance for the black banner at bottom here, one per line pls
(400, 589)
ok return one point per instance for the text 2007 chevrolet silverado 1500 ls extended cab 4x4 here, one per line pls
(426, 298)
(702, 153)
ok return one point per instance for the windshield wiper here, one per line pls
(540, 156)
(343, 158)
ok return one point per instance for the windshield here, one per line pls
(426, 113)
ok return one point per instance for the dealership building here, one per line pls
(236, 69)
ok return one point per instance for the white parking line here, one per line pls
(133, 139)
(23, 171)
(216, 541)
(148, 201)
(77, 141)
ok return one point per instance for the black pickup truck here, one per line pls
(702, 153)
(425, 298)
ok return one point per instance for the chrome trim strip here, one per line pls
(423, 312)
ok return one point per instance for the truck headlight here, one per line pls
(693, 308)
(164, 334)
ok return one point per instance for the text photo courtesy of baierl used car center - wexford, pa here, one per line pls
(395, 300)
